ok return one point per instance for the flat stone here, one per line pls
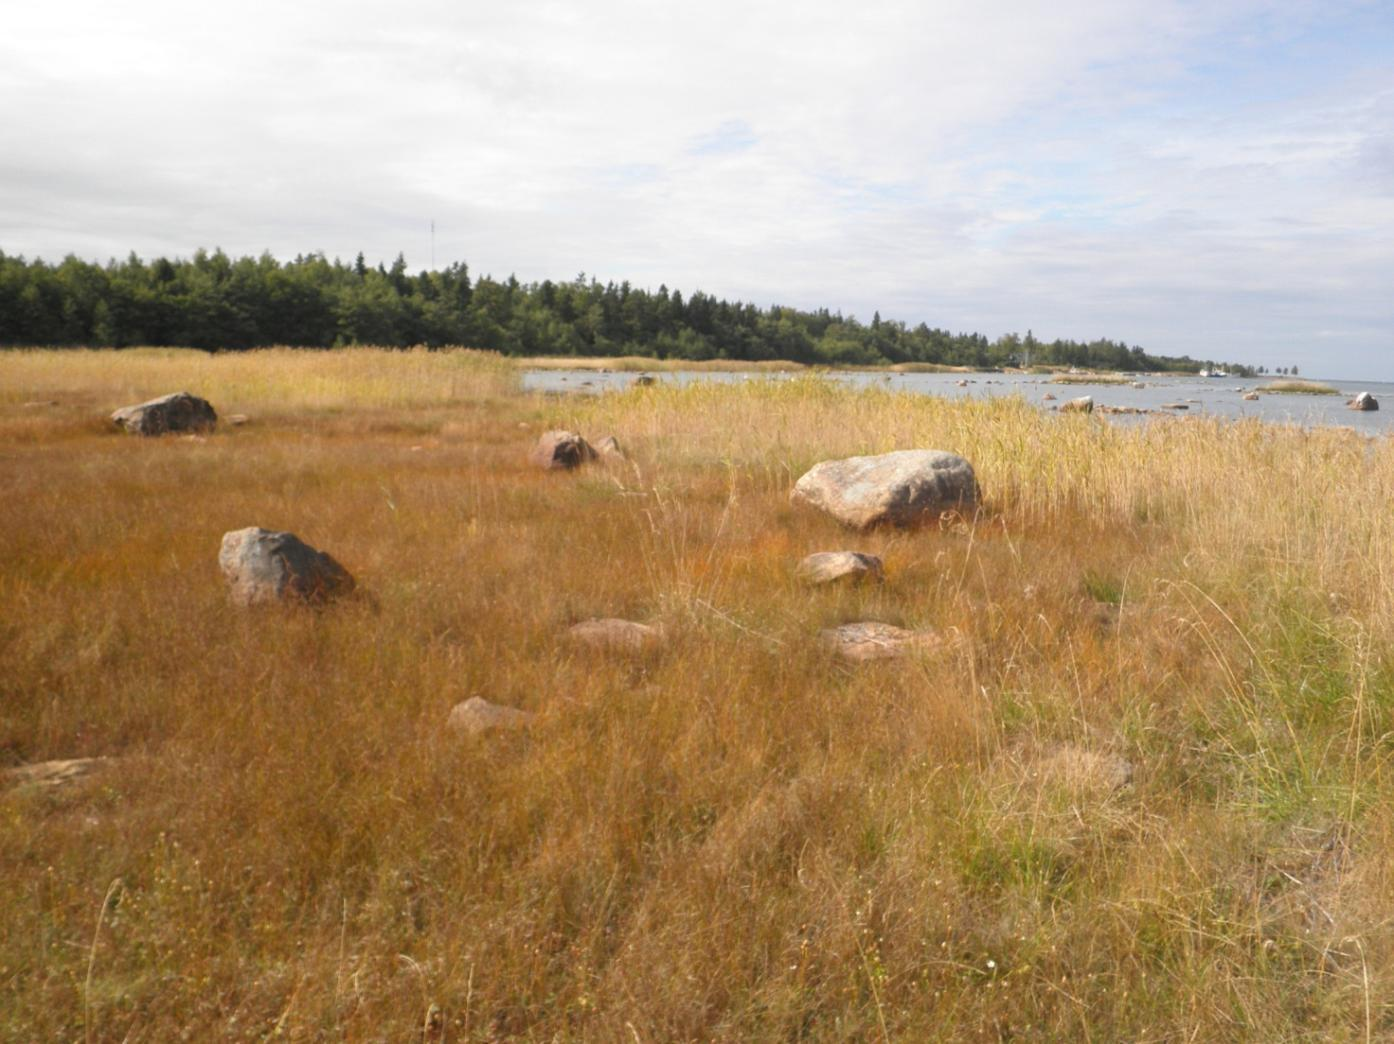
(613, 635)
(870, 640)
(54, 773)
(477, 715)
(904, 488)
(827, 567)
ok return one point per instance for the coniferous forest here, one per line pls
(216, 302)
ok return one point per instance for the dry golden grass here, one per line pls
(642, 363)
(1293, 387)
(736, 838)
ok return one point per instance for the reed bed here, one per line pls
(1142, 795)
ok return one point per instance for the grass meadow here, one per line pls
(737, 837)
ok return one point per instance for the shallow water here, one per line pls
(1206, 396)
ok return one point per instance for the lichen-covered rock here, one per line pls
(828, 567)
(265, 566)
(180, 412)
(477, 715)
(870, 640)
(561, 451)
(904, 488)
(612, 635)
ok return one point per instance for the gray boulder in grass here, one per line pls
(477, 715)
(179, 412)
(904, 488)
(265, 566)
(562, 450)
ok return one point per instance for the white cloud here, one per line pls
(983, 165)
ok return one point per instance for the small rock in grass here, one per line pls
(238, 419)
(904, 488)
(40, 404)
(477, 715)
(870, 640)
(1080, 770)
(826, 567)
(612, 635)
(1364, 401)
(54, 773)
(609, 447)
(562, 451)
(1084, 404)
(265, 566)
(180, 412)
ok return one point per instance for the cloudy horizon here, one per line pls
(1206, 179)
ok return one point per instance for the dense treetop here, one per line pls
(216, 302)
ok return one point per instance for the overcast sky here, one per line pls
(1214, 178)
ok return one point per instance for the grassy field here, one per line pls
(1145, 795)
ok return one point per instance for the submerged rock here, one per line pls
(904, 488)
(180, 412)
(827, 567)
(561, 450)
(477, 715)
(265, 566)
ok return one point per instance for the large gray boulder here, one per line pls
(477, 715)
(1084, 404)
(265, 566)
(178, 412)
(1364, 401)
(562, 451)
(830, 567)
(904, 488)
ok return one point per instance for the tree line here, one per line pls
(216, 302)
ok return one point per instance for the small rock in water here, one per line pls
(477, 715)
(561, 451)
(265, 566)
(179, 412)
(612, 635)
(54, 773)
(644, 380)
(1048, 397)
(1175, 406)
(1251, 396)
(961, 384)
(870, 640)
(1364, 401)
(904, 488)
(1137, 384)
(1084, 404)
(826, 567)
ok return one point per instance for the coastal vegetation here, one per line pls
(215, 302)
(1141, 790)
(1294, 387)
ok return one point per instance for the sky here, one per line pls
(1208, 178)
